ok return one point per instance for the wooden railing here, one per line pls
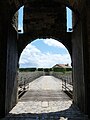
(67, 87)
(22, 89)
(24, 78)
(67, 84)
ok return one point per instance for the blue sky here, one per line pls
(43, 52)
(20, 19)
(69, 19)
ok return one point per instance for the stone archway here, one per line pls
(36, 26)
(80, 51)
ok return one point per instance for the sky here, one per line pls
(44, 53)
(20, 19)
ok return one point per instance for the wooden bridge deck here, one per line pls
(45, 100)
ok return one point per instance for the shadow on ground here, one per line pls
(71, 113)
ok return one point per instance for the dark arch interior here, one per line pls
(12, 44)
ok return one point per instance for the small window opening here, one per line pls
(69, 19)
(20, 20)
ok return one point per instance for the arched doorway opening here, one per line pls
(40, 54)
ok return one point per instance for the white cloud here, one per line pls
(54, 43)
(33, 57)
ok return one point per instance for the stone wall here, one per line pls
(3, 50)
(78, 59)
(81, 59)
(11, 70)
(8, 67)
(86, 22)
(15, 21)
(27, 77)
(65, 76)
